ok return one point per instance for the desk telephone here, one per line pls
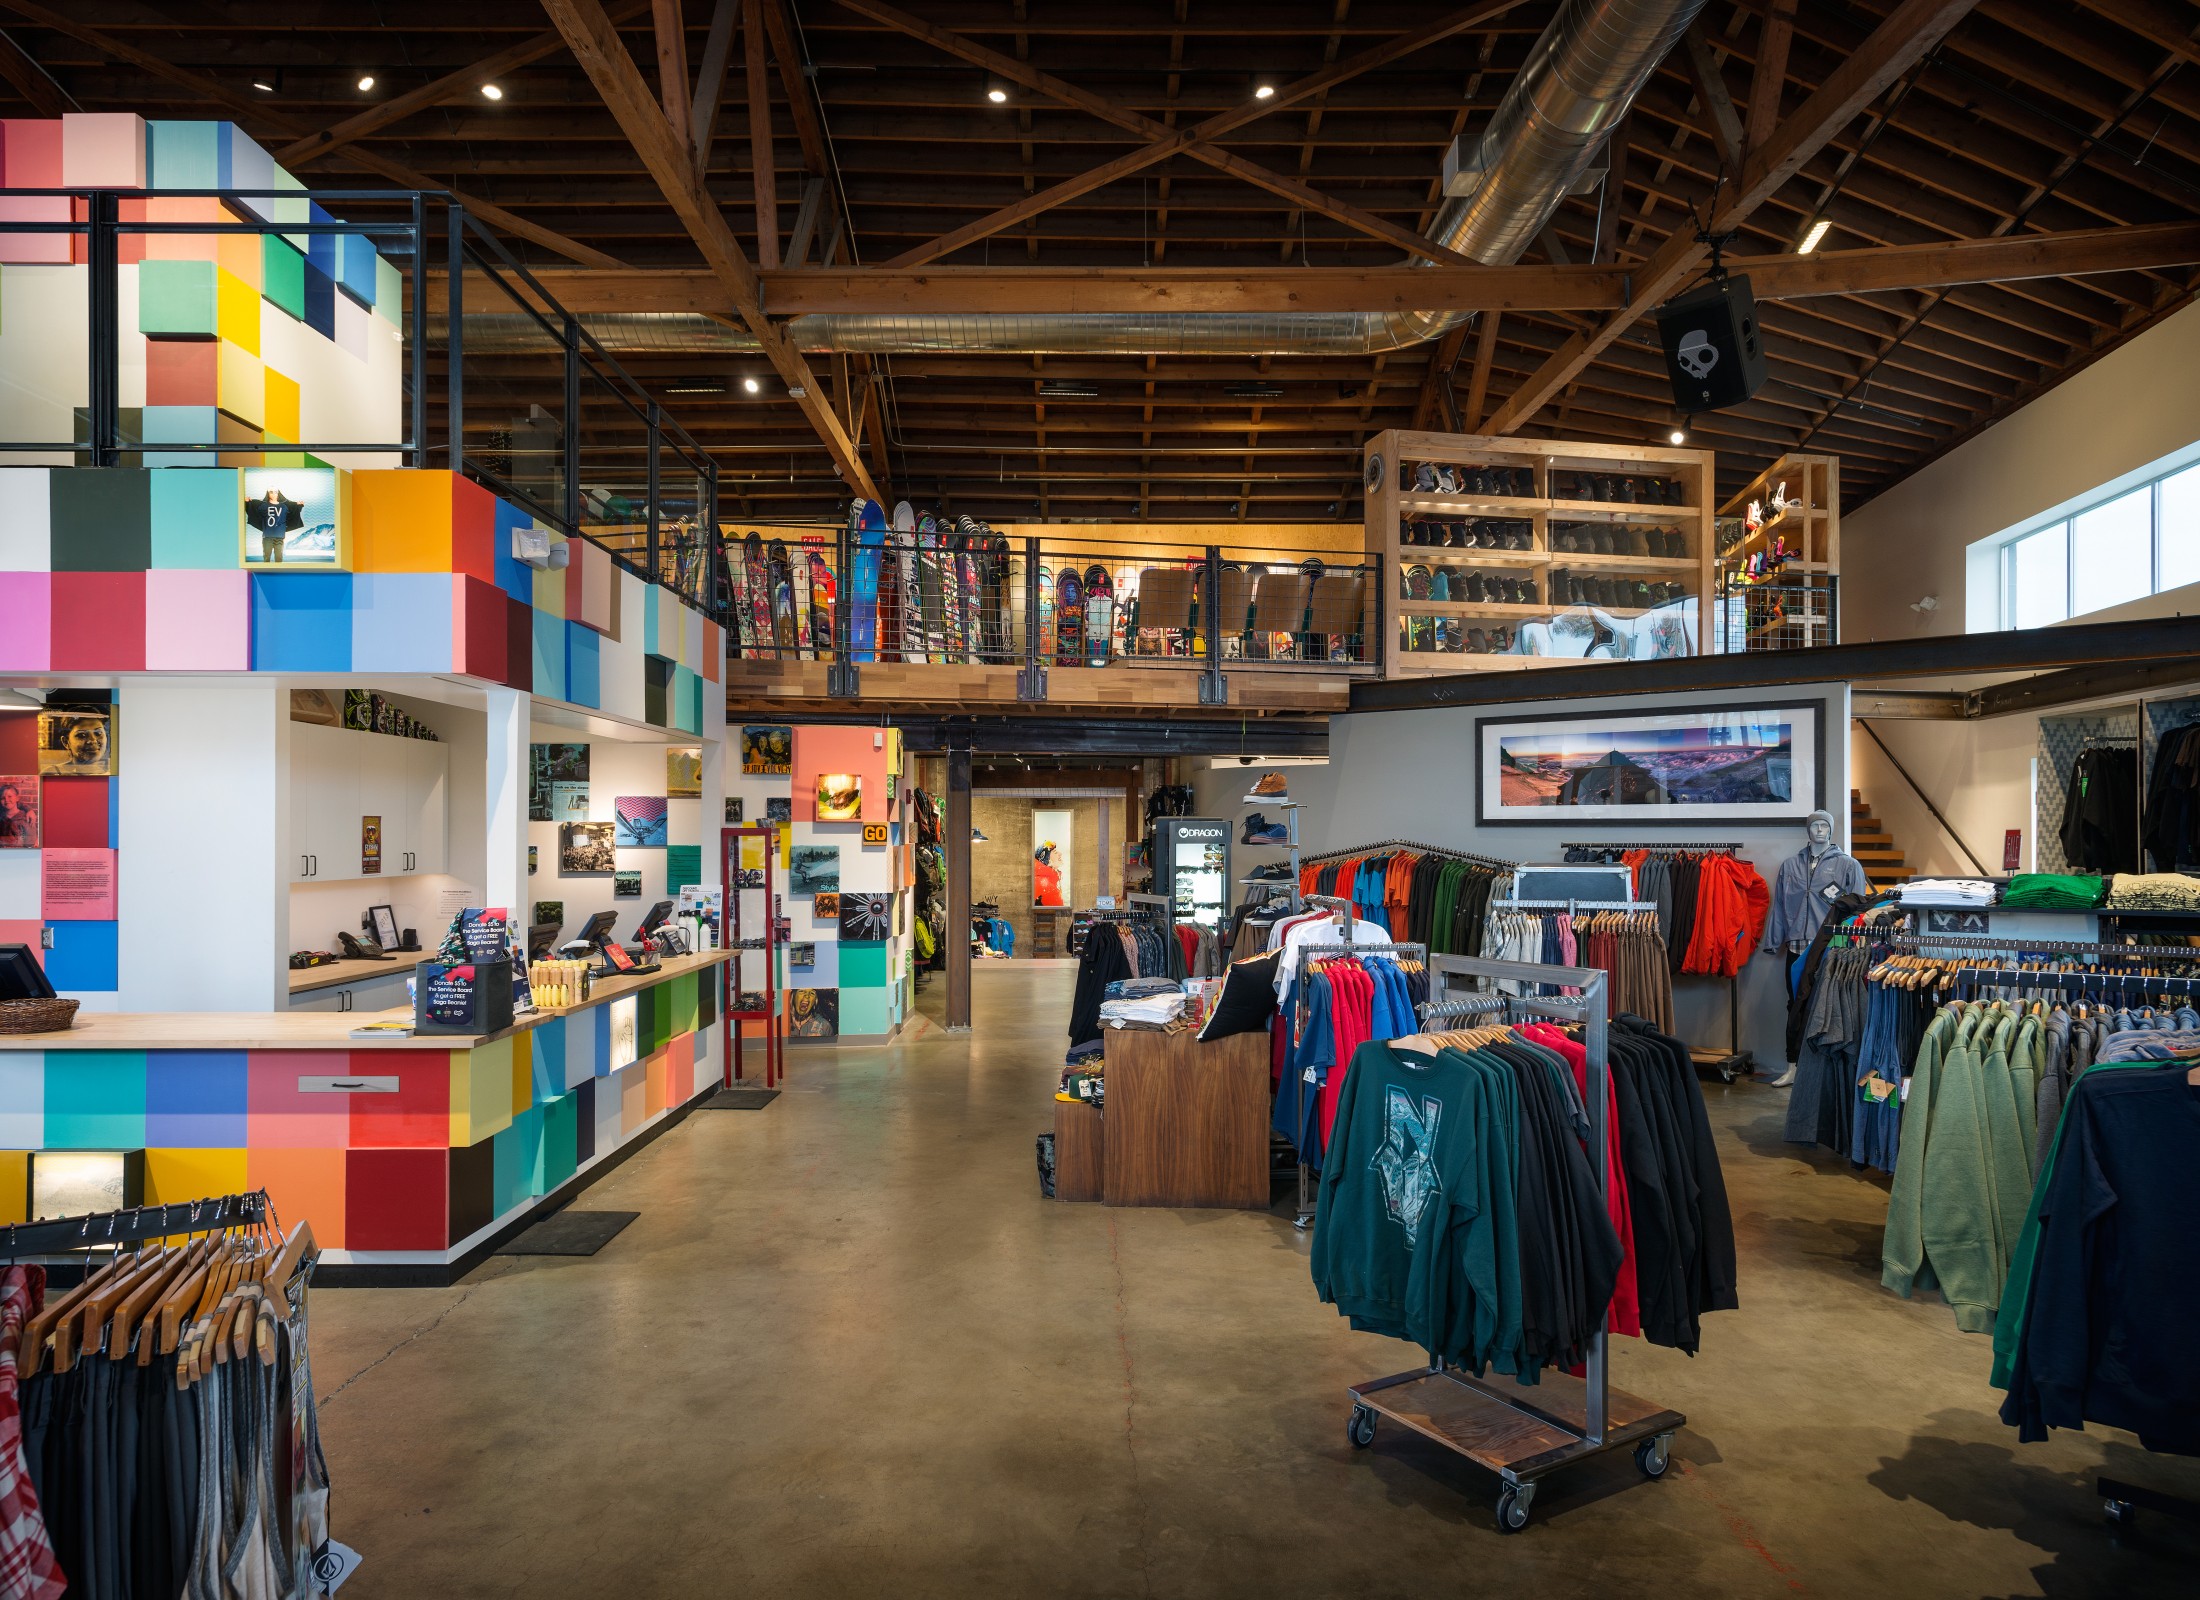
(357, 949)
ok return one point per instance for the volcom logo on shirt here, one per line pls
(1405, 1160)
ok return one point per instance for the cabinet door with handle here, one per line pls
(324, 789)
(424, 835)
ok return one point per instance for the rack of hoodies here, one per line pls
(2056, 891)
(1523, 1259)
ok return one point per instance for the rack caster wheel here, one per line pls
(2119, 1511)
(1512, 1507)
(1360, 1428)
(1651, 1457)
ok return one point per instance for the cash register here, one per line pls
(630, 961)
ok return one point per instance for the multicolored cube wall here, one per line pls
(130, 569)
(467, 1139)
(243, 340)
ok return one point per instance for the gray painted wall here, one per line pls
(1410, 775)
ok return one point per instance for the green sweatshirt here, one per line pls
(1942, 1218)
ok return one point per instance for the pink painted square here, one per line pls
(26, 621)
(279, 1115)
(198, 621)
(26, 933)
(76, 883)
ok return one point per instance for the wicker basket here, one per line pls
(36, 1016)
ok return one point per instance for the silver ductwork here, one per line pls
(1579, 79)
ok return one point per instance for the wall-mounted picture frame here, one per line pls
(813, 1013)
(18, 811)
(814, 869)
(839, 797)
(383, 920)
(585, 849)
(826, 908)
(767, 749)
(1743, 763)
(865, 918)
(551, 767)
(779, 809)
(801, 955)
(626, 886)
(639, 822)
(293, 518)
(733, 811)
(683, 774)
(76, 741)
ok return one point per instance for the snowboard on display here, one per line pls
(757, 579)
(802, 625)
(1069, 618)
(782, 593)
(893, 594)
(1126, 609)
(1004, 594)
(1046, 615)
(950, 597)
(869, 539)
(1099, 614)
(968, 543)
(928, 579)
(821, 605)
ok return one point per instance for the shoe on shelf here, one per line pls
(1259, 830)
(1424, 478)
(1272, 786)
(1272, 872)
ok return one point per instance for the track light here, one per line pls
(1678, 436)
(269, 82)
(366, 83)
(752, 386)
(1266, 91)
(490, 91)
(1818, 229)
(996, 91)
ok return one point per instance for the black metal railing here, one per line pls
(547, 418)
(1777, 614)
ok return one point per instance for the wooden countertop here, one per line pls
(308, 1030)
(308, 978)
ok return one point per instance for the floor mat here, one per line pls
(740, 1100)
(570, 1233)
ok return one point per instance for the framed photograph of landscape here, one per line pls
(1745, 763)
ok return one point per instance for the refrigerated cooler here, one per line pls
(1195, 869)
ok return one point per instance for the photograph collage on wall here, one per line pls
(814, 868)
(813, 1013)
(767, 749)
(865, 918)
(839, 797)
(557, 779)
(684, 774)
(585, 848)
(626, 886)
(640, 822)
(18, 811)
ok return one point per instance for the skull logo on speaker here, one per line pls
(1697, 354)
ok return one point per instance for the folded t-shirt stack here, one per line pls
(1946, 892)
(2153, 891)
(1164, 1012)
(2053, 891)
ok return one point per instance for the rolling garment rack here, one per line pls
(1525, 1433)
(775, 1044)
(1733, 1061)
(1341, 909)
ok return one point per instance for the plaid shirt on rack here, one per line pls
(28, 1569)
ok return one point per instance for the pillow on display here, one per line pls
(1248, 998)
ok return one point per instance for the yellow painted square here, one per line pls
(283, 407)
(237, 307)
(550, 587)
(240, 387)
(15, 1185)
(481, 1093)
(241, 255)
(173, 1175)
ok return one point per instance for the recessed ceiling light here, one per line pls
(1818, 230)
(366, 83)
(752, 386)
(263, 86)
(1678, 436)
(997, 92)
(492, 92)
(1266, 91)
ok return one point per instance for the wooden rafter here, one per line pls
(1774, 38)
(595, 44)
(669, 25)
(710, 79)
(30, 81)
(1906, 33)
(757, 59)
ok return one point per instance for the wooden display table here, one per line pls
(1187, 1123)
(1080, 1150)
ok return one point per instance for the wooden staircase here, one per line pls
(1873, 846)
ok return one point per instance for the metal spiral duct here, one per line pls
(1578, 81)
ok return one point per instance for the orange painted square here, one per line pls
(633, 1099)
(401, 521)
(182, 246)
(303, 1183)
(714, 651)
(658, 1073)
(240, 255)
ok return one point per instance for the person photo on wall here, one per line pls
(1046, 877)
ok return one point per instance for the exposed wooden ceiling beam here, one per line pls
(1774, 38)
(466, 81)
(595, 44)
(251, 112)
(1006, 290)
(1153, 132)
(1907, 32)
(30, 81)
(669, 27)
(756, 57)
(1711, 93)
(1165, 141)
(710, 78)
(795, 85)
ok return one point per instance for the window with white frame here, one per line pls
(2123, 547)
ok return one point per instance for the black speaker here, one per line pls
(1714, 353)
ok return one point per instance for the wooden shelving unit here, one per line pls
(1808, 523)
(1658, 544)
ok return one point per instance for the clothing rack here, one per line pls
(1415, 846)
(1304, 1216)
(1926, 943)
(2074, 982)
(136, 1224)
(1666, 849)
(1571, 906)
(1501, 1429)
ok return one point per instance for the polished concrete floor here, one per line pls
(848, 1351)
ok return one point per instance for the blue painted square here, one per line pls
(95, 1099)
(355, 267)
(159, 425)
(549, 1060)
(821, 973)
(114, 814)
(514, 1154)
(602, 1051)
(183, 155)
(322, 249)
(514, 576)
(83, 958)
(400, 621)
(549, 655)
(22, 1100)
(583, 666)
(863, 1011)
(301, 621)
(320, 297)
(195, 1099)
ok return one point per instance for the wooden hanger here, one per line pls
(42, 1327)
(98, 1308)
(132, 1312)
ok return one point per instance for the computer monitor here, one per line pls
(542, 940)
(597, 928)
(657, 914)
(21, 977)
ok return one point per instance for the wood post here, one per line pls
(955, 826)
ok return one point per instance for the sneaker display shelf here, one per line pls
(1257, 803)
(1480, 537)
(1780, 535)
